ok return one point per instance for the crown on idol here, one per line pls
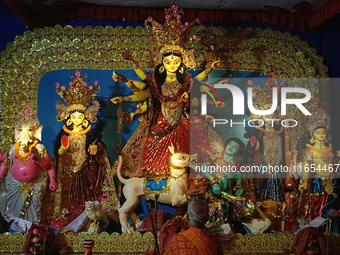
(78, 97)
(172, 36)
(27, 115)
(264, 96)
(320, 119)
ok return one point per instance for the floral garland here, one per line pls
(178, 97)
(77, 132)
(24, 155)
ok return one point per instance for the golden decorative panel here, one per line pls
(37, 52)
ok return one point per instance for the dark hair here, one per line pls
(198, 210)
(239, 142)
(160, 78)
(326, 143)
(318, 128)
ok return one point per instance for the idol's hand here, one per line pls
(127, 56)
(53, 185)
(215, 64)
(118, 77)
(216, 189)
(185, 97)
(220, 104)
(303, 186)
(209, 118)
(115, 76)
(93, 149)
(33, 154)
(61, 150)
(117, 100)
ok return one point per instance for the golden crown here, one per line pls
(27, 115)
(172, 35)
(320, 119)
(264, 96)
(78, 97)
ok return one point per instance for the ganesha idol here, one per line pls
(29, 164)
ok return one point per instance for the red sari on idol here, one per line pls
(146, 152)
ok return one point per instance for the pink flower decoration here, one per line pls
(167, 16)
(84, 84)
(95, 83)
(57, 85)
(71, 83)
(249, 83)
(271, 73)
(78, 74)
(194, 37)
(149, 18)
(174, 7)
(159, 25)
(178, 16)
(197, 20)
(150, 38)
(186, 23)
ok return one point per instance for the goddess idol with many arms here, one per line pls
(164, 98)
(81, 160)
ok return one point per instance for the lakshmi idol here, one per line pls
(319, 161)
(163, 98)
(81, 160)
(29, 164)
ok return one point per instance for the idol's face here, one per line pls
(320, 134)
(26, 133)
(77, 118)
(172, 63)
(232, 148)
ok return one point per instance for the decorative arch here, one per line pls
(37, 52)
(42, 50)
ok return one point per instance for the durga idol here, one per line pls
(163, 102)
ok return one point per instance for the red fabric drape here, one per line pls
(328, 11)
(39, 15)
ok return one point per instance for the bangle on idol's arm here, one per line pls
(212, 180)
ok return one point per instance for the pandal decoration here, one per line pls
(37, 52)
(137, 242)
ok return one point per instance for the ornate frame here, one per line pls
(30, 56)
